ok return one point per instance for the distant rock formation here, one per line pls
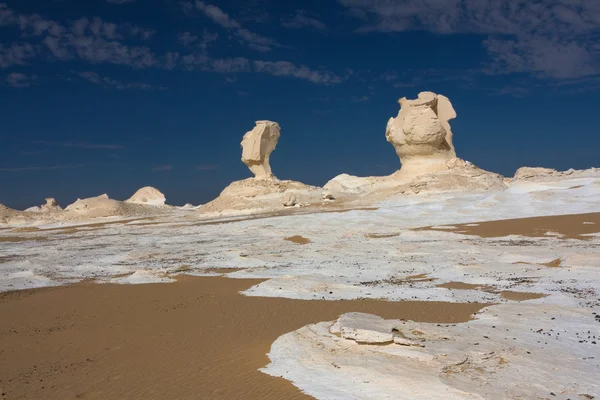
(99, 206)
(545, 174)
(257, 146)
(50, 206)
(264, 192)
(421, 134)
(533, 172)
(6, 212)
(103, 206)
(148, 196)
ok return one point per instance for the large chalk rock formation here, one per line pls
(264, 192)
(422, 138)
(421, 134)
(147, 196)
(257, 146)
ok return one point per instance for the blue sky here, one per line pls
(111, 95)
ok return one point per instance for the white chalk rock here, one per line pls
(257, 146)
(51, 205)
(289, 200)
(148, 196)
(364, 328)
(421, 133)
(525, 173)
(93, 207)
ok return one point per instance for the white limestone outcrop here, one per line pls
(148, 196)
(421, 134)
(422, 138)
(264, 192)
(257, 146)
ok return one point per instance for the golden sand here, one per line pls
(464, 286)
(568, 226)
(298, 239)
(194, 339)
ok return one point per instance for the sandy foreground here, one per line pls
(195, 339)
(309, 298)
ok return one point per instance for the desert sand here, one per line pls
(197, 338)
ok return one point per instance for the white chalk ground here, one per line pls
(536, 349)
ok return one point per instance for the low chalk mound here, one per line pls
(103, 206)
(99, 206)
(148, 196)
(548, 174)
(262, 195)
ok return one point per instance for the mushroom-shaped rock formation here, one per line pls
(264, 192)
(421, 134)
(51, 205)
(257, 146)
(148, 196)
(422, 138)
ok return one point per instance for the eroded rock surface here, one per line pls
(421, 133)
(264, 192)
(257, 146)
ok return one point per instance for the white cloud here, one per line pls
(188, 39)
(94, 41)
(107, 82)
(301, 20)
(39, 168)
(286, 68)
(18, 80)
(556, 39)
(218, 16)
(16, 54)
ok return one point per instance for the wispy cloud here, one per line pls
(302, 20)
(91, 40)
(16, 54)
(552, 39)
(162, 168)
(107, 82)
(39, 168)
(360, 99)
(220, 17)
(207, 167)
(95, 41)
(33, 152)
(286, 68)
(190, 40)
(81, 145)
(18, 80)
